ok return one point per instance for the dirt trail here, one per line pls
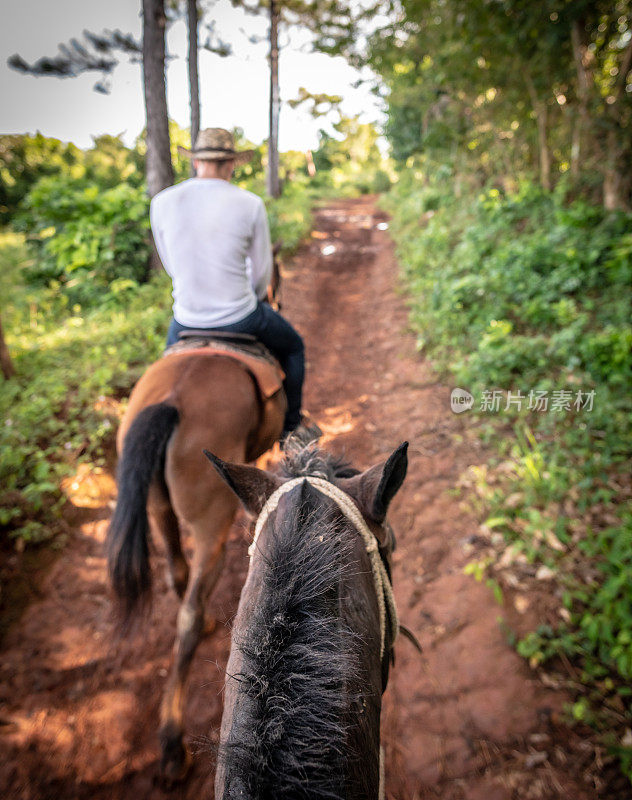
(78, 710)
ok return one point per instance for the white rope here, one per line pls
(383, 588)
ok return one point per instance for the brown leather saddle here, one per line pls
(248, 350)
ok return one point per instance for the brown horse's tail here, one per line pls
(127, 548)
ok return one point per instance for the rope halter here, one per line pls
(383, 588)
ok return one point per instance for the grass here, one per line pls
(529, 293)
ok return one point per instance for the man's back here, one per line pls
(205, 230)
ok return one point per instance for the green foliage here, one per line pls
(319, 104)
(290, 216)
(525, 291)
(523, 286)
(253, 169)
(178, 137)
(26, 159)
(85, 214)
(503, 89)
(90, 245)
(109, 163)
(351, 161)
(65, 362)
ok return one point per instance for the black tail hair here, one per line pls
(127, 546)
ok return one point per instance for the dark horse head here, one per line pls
(311, 648)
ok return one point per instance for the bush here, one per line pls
(86, 243)
(290, 217)
(526, 292)
(65, 362)
(26, 159)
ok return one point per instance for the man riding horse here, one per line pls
(214, 242)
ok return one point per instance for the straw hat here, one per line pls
(216, 144)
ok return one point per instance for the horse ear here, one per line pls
(377, 486)
(251, 485)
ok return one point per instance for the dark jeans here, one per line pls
(283, 342)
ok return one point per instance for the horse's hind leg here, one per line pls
(164, 521)
(205, 570)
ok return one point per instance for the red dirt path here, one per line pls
(468, 720)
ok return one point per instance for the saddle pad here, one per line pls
(257, 359)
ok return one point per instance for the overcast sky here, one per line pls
(233, 90)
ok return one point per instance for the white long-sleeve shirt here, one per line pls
(214, 242)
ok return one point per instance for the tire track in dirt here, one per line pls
(79, 709)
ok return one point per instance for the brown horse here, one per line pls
(182, 404)
(313, 637)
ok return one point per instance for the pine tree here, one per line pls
(100, 53)
(333, 26)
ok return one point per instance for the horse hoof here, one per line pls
(175, 764)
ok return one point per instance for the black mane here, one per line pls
(305, 459)
(298, 657)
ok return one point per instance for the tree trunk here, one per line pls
(543, 147)
(159, 166)
(616, 180)
(576, 146)
(311, 167)
(612, 178)
(5, 359)
(581, 126)
(539, 109)
(274, 188)
(194, 82)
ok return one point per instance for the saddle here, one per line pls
(248, 350)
